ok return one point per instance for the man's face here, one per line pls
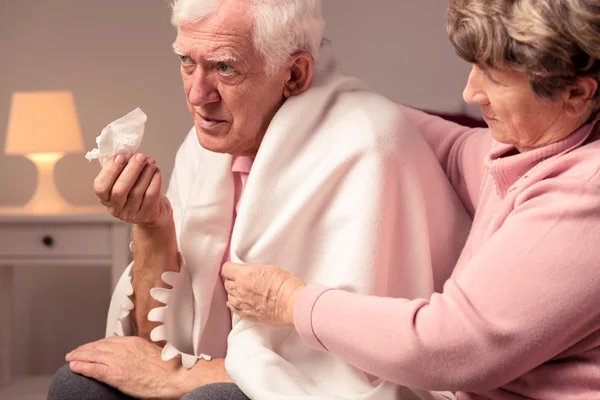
(229, 95)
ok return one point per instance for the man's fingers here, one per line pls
(138, 191)
(89, 346)
(128, 178)
(89, 356)
(107, 177)
(151, 196)
(155, 186)
(98, 372)
(111, 344)
(118, 339)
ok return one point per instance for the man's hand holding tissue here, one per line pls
(131, 190)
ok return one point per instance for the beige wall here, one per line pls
(400, 48)
(115, 55)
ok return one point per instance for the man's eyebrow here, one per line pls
(177, 50)
(219, 58)
(222, 58)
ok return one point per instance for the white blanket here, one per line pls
(340, 193)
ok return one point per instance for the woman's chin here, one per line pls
(499, 136)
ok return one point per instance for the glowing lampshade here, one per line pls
(43, 126)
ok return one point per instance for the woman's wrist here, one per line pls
(295, 287)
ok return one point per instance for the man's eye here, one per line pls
(185, 59)
(226, 69)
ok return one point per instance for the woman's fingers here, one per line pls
(229, 285)
(263, 294)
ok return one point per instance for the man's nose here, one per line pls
(473, 92)
(203, 90)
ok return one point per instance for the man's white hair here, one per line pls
(281, 27)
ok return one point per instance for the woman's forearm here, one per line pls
(459, 149)
(496, 319)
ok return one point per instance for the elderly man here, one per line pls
(288, 160)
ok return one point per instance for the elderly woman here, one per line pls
(519, 318)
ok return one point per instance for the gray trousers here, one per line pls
(67, 385)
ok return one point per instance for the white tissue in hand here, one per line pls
(123, 136)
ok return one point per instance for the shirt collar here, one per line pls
(241, 164)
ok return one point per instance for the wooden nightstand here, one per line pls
(80, 237)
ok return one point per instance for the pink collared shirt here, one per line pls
(240, 166)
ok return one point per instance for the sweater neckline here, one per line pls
(506, 170)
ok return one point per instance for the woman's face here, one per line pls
(514, 113)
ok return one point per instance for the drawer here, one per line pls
(55, 240)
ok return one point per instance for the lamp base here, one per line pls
(46, 198)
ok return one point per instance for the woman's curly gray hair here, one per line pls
(554, 42)
(281, 27)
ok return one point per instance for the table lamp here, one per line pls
(43, 126)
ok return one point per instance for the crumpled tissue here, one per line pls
(123, 136)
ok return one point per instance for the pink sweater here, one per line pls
(520, 316)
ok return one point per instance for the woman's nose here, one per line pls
(473, 92)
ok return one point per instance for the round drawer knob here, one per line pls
(48, 241)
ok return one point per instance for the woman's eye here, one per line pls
(491, 79)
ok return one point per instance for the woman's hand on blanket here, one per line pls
(132, 191)
(262, 294)
(131, 365)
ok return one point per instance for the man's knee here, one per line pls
(217, 391)
(67, 385)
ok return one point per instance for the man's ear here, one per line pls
(300, 72)
(580, 96)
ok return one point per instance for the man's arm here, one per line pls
(154, 252)
(134, 366)
(155, 248)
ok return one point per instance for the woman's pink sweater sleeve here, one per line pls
(530, 293)
(459, 149)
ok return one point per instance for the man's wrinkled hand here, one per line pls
(262, 294)
(131, 365)
(132, 191)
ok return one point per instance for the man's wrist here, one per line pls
(152, 234)
(152, 245)
(178, 385)
(203, 373)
